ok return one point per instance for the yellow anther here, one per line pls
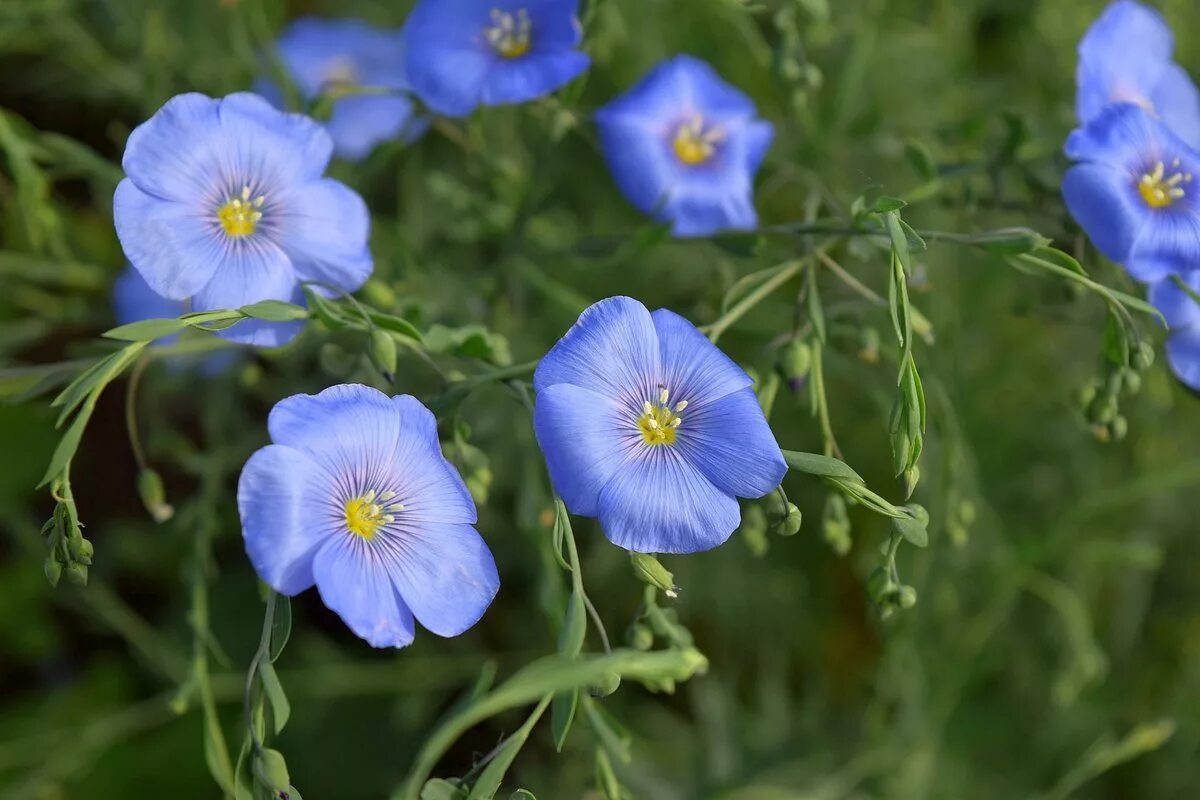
(693, 143)
(237, 217)
(510, 35)
(364, 517)
(1160, 190)
(658, 423)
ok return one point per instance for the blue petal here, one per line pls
(249, 271)
(359, 124)
(358, 586)
(315, 50)
(1124, 136)
(659, 503)
(363, 437)
(170, 245)
(693, 368)
(275, 147)
(1168, 244)
(134, 301)
(584, 437)
(273, 498)
(1121, 57)
(1105, 203)
(640, 160)
(445, 573)
(1183, 315)
(447, 79)
(612, 349)
(1177, 102)
(731, 443)
(533, 75)
(172, 154)
(324, 227)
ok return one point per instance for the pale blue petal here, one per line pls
(1125, 136)
(1169, 244)
(273, 147)
(429, 486)
(324, 226)
(585, 437)
(359, 124)
(612, 349)
(172, 155)
(448, 79)
(533, 75)
(280, 535)
(134, 301)
(732, 444)
(171, 245)
(1177, 102)
(1107, 205)
(659, 503)
(1183, 316)
(693, 368)
(639, 157)
(251, 270)
(1121, 57)
(359, 588)
(446, 574)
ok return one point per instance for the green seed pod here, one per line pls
(1142, 356)
(649, 570)
(77, 574)
(640, 637)
(53, 570)
(606, 686)
(382, 349)
(906, 596)
(795, 360)
(791, 523)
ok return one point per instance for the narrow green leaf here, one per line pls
(562, 714)
(606, 779)
(145, 330)
(438, 789)
(396, 324)
(281, 709)
(281, 626)
(823, 466)
(274, 311)
(912, 530)
(887, 205)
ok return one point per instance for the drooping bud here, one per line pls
(382, 349)
(649, 570)
(150, 488)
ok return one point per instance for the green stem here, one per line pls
(760, 292)
(264, 646)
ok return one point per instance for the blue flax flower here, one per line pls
(648, 426)
(684, 146)
(463, 53)
(355, 496)
(1183, 315)
(134, 300)
(1134, 192)
(1125, 57)
(225, 204)
(335, 57)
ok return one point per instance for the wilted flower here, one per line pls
(225, 204)
(134, 301)
(463, 53)
(355, 496)
(1125, 57)
(1183, 315)
(647, 425)
(1134, 192)
(684, 145)
(336, 58)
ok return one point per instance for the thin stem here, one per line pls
(818, 376)
(264, 645)
(135, 440)
(760, 292)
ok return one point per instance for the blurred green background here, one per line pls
(1055, 647)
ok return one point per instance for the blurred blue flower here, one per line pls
(1133, 192)
(134, 301)
(1125, 57)
(684, 145)
(1183, 315)
(647, 425)
(463, 53)
(225, 204)
(355, 497)
(334, 57)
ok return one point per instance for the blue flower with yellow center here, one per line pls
(464, 53)
(1134, 191)
(355, 497)
(225, 203)
(684, 146)
(647, 425)
(335, 58)
(1183, 315)
(1125, 57)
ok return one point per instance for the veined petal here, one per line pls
(277, 147)
(359, 588)
(693, 368)
(1121, 57)
(251, 271)
(1105, 203)
(612, 349)
(430, 487)
(1169, 244)
(324, 227)
(531, 76)
(173, 154)
(169, 244)
(1125, 136)
(1183, 315)
(659, 503)
(585, 438)
(281, 538)
(1177, 102)
(348, 424)
(446, 574)
(732, 444)
(639, 158)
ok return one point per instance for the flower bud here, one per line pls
(868, 345)
(271, 768)
(606, 685)
(640, 637)
(795, 360)
(648, 569)
(791, 523)
(77, 574)
(382, 350)
(906, 596)
(150, 487)
(53, 570)
(1142, 356)
(1118, 428)
(912, 476)
(1133, 381)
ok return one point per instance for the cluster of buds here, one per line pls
(1100, 399)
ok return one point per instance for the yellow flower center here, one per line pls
(693, 143)
(239, 216)
(341, 78)
(369, 512)
(659, 422)
(1160, 190)
(509, 34)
